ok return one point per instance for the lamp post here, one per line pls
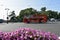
(7, 14)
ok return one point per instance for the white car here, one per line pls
(53, 20)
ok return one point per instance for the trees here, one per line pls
(52, 14)
(49, 13)
(43, 9)
(31, 11)
(59, 16)
(26, 12)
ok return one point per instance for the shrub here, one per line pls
(27, 34)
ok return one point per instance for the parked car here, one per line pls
(58, 19)
(1, 20)
(53, 20)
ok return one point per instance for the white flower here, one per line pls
(26, 31)
(59, 38)
(25, 37)
(31, 36)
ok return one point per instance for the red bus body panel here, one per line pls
(36, 19)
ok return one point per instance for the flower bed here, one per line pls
(27, 34)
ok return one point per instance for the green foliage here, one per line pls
(43, 9)
(52, 14)
(31, 11)
(26, 12)
(59, 15)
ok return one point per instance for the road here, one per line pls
(51, 27)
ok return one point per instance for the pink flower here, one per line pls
(28, 34)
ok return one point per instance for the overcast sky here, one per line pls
(18, 5)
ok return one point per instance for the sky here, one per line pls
(18, 5)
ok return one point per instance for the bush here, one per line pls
(27, 34)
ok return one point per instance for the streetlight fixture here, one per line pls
(7, 14)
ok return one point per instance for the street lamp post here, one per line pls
(7, 14)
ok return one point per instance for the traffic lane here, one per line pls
(54, 28)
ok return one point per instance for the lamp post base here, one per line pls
(7, 20)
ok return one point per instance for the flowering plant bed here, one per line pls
(27, 34)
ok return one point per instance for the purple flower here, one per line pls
(27, 34)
